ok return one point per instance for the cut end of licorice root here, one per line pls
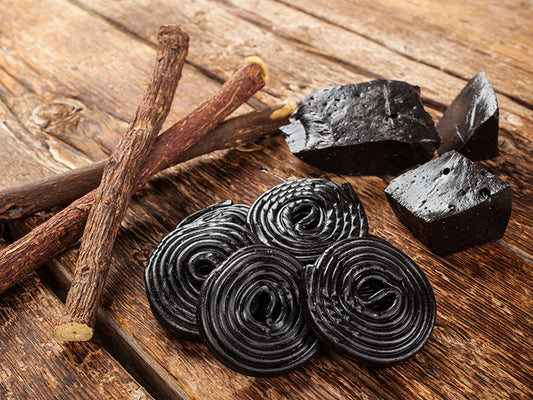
(284, 111)
(73, 332)
(261, 63)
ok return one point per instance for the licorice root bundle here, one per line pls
(250, 314)
(369, 301)
(305, 216)
(63, 230)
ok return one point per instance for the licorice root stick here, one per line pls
(112, 196)
(65, 228)
(21, 201)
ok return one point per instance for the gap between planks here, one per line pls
(328, 21)
(117, 341)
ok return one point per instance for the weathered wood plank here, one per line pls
(104, 91)
(458, 37)
(219, 40)
(280, 33)
(35, 366)
(25, 161)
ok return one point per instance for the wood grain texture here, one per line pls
(459, 38)
(481, 346)
(38, 67)
(22, 201)
(35, 366)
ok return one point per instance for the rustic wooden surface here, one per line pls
(35, 366)
(71, 74)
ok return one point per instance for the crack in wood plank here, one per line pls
(523, 102)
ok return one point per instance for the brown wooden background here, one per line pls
(71, 75)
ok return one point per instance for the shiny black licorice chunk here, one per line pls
(305, 216)
(376, 127)
(225, 211)
(450, 204)
(470, 124)
(180, 264)
(250, 314)
(369, 301)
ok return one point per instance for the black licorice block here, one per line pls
(376, 127)
(470, 124)
(450, 204)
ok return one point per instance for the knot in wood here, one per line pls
(58, 112)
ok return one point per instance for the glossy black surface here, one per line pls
(220, 212)
(305, 216)
(369, 302)
(451, 204)
(376, 127)
(182, 261)
(470, 124)
(250, 314)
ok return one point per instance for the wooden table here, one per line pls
(71, 74)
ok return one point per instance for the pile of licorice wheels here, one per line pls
(263, 285)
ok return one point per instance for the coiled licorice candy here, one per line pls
(369, 301)
(180, 264)
(225, 211)
(250, 314)
(305, 216)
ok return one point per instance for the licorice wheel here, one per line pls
(306, 216)
(368, 301)
(179, 265)
(225, 211)
(250, 314)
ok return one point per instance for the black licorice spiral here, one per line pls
(219, 212)
(306, 216)
(369, 301)
(179, 266)
(250, 313)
